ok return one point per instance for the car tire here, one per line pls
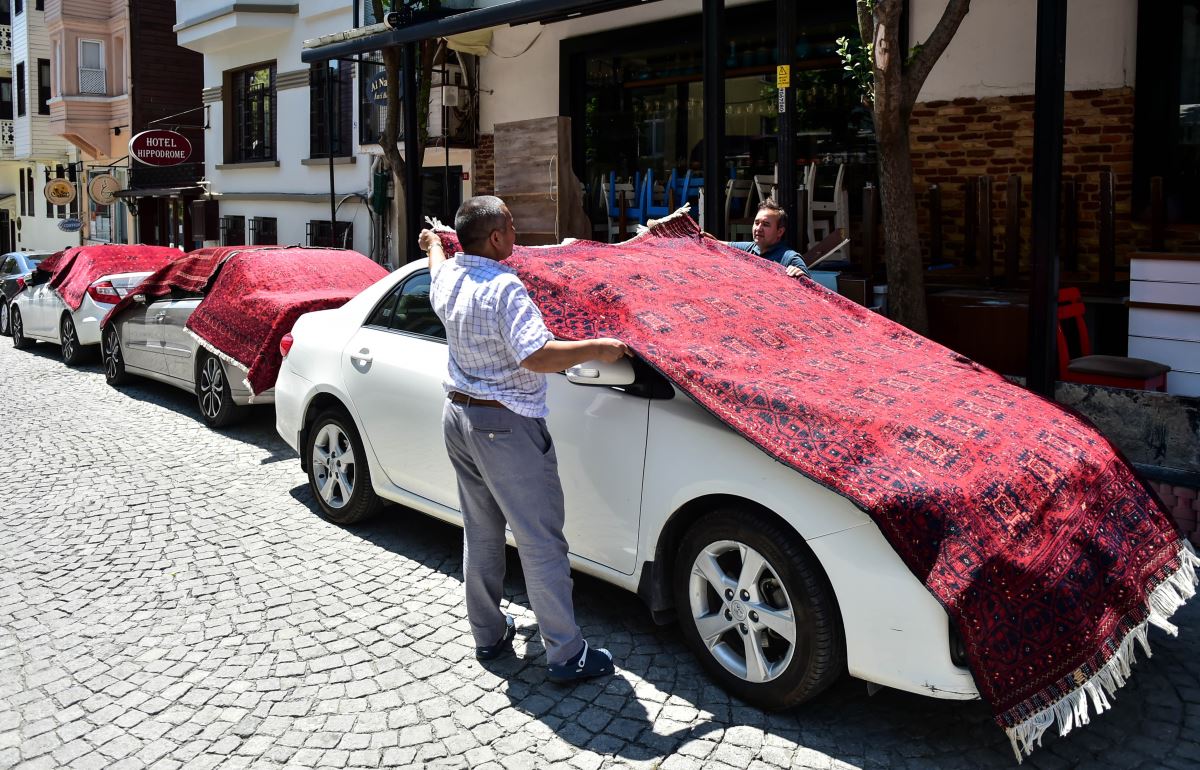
(111, 357)
(4, 332)
(72, 352)
(771, 587)
(338, 475)
(17, 330)
(213, 393)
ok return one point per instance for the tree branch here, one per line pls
(928, 54)
(866, 22)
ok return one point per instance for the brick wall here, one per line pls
(485, 166)
(1184, 505)
(951, 140)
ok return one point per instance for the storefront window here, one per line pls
(108, 224)
(641, 107)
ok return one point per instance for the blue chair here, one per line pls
(633, 195)
(657, 210)
(689, 191)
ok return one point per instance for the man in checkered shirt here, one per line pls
(496, 436)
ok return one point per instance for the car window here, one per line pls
(31, 263)
(414, 312)
(9, 266)
(382, 317)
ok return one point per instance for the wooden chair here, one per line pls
(739, 211)
(1113, 371)
(826, 214)
(764, 185)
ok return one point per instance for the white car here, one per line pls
(778, 584)
(38, 313)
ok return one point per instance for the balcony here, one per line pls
(6, 140)
(209, 25)
(6, 48)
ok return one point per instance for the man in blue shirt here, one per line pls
(770, 226)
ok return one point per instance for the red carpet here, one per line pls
(1048, 554)
(253, 295)
(72, 270)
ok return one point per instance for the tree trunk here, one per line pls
(896, 84)
(902, 243)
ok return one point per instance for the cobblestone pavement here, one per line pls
(169, 598)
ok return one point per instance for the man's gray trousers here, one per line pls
(508, 473)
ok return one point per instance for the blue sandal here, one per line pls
(591, 663)
(491, 652)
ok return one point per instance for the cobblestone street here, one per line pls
(169, 598)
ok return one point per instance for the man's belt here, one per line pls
(463, 398)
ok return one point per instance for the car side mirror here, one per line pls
(620, 372)
(139, 299)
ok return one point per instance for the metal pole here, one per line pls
(714, 114)
(1049, 83)
(412, 163)
(785, 184)
(329, 149)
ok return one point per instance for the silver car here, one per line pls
(149, 339)
(15, 267)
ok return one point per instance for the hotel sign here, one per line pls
(159, 147)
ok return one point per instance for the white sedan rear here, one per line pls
(38, 313)
(779, 584)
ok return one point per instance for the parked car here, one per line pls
(662, 499)
(150, 340)
(210, 323)
(68, 294)
(15, 269)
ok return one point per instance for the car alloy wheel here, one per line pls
(756, 609)
(742, 611)
(3, 318)
(213, 393)
(20, 341)
(72, 351)
(110, 352)
(337, 470)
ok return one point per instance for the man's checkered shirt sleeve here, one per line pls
(521, 322)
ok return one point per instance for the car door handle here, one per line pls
(363, 355)
(160, 318)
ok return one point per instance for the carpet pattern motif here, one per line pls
(71, 271)
(1018, 516)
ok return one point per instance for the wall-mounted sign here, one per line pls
(783, 76)
(103, 189)
(59, 192)
(71, 225)
(160, 147)
(377, 88)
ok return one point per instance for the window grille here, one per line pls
(253, 114)
(233, 231)
(319, 234)
(91, 67)
(329, 82)
(263, 231)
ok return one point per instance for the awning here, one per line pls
(343, 45)
(159, 192)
